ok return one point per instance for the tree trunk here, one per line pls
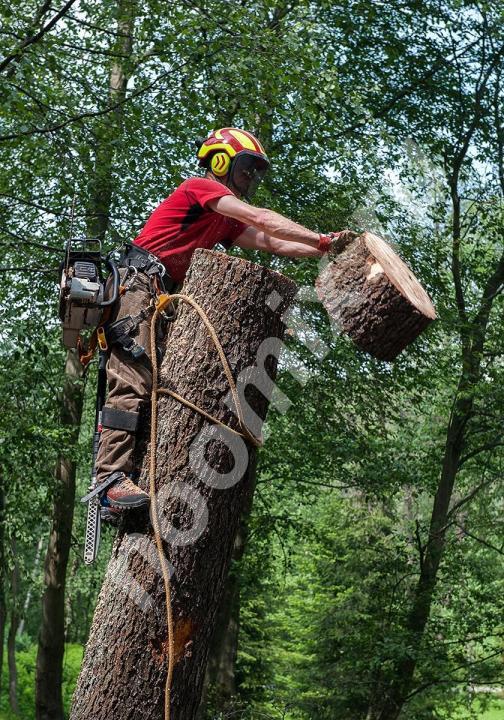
(202, 488)
(110, 130)
(221, 668)
(374, 298)
(3, 610)
(51, 644)
(48, 701)
(393, 698)
(11, 661)
(389, 704)
(29, 594)
(11, 639)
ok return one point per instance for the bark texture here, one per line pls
(374, 297)
(203, 488)
(220, 680)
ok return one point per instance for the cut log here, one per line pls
(203, 483)
(374, 297)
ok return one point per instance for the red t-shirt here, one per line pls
(183, 222)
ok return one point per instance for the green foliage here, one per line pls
(26, 662)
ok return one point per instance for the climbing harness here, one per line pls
(107, 334)
(162, 302)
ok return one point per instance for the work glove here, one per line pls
(334, 243)
(339, 242)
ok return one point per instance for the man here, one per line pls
(200, 213)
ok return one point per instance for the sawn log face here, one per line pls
(374, 298)
(124, 669)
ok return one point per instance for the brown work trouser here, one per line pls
(129, 380)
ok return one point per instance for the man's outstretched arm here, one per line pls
(252, 239)
(268, 230)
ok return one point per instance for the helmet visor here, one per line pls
(248, 172)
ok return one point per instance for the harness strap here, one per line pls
(115, 419)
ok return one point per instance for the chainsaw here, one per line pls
(82, 288)
(81, 306)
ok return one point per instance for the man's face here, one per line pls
(247, 173)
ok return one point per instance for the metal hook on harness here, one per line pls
(130, 280)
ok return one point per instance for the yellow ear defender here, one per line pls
(219, 164)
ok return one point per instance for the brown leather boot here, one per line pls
(124, 494)
(111, 516)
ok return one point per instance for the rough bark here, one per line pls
(48, 700)
(220, 675)
(374, 297)
(124, 668)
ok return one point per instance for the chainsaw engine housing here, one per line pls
(82, 289)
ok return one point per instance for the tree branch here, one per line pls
(408, 90)
(110, 108)
(478, 450)
(500, 551)
(28, 269)
(450, 678)
(468, 498)
(16, 55)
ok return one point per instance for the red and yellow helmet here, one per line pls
(236, 154)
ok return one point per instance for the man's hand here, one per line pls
(339, 241)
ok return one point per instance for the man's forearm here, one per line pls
(278, 226)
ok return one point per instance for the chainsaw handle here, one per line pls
(115, 282)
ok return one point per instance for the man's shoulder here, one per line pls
(203, 183)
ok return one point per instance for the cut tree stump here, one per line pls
(202, 489)
(374, 297)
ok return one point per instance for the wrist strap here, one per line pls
(324, 243)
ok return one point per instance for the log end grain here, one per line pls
(373, 297)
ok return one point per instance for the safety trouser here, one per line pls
(129, 381)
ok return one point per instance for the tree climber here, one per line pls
(200, 213)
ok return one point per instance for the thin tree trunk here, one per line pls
(11, 639)
(202, 490)
(3, 610)
(388, 706)
(472, 332)
(29, 594)
(51, 645)
(101, 183)
(391, 702)
(48, 703)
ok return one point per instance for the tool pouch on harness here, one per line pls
(121, 331)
